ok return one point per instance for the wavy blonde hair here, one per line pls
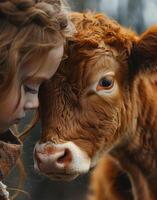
(28, 28)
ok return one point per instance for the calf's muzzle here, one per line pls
(60, 161)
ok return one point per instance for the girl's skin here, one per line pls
(14, 107)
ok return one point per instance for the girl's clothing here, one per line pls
(10, 150)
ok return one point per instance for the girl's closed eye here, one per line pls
(31, 89)
(32, 85)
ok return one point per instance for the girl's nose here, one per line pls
(32, 103)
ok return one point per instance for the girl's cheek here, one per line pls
(19, 99)
(14, 98)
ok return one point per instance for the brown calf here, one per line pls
(102, 100)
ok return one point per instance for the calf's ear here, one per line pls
(144, 52)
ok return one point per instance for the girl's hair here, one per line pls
(28, 28)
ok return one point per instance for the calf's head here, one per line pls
(87, 107)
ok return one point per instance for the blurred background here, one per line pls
(137, 14)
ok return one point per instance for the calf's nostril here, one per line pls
(65, 158)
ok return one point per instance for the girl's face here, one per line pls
(25, 97)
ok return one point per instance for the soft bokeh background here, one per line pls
(138, 14)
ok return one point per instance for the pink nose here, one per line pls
(51, 158)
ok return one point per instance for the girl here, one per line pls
(32, 35)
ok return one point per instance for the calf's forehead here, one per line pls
(83, 68)
(64, 90)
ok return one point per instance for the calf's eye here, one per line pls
(105, 83)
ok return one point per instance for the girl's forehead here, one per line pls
(42, 66)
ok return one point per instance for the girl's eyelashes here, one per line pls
(30, 90)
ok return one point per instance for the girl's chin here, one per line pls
(16, 122)
(4, 128)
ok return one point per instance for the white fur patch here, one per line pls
(96, 158)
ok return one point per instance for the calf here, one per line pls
(102, 101)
